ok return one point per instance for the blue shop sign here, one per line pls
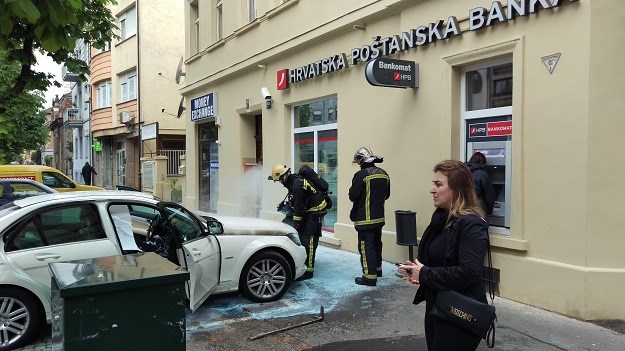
(203, 107)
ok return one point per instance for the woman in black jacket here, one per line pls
(451, 254)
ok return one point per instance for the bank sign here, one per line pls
(203, 107)
(478, 18)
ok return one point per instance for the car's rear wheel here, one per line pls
(266, 277)
(19, 318)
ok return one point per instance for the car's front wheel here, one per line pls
(19, 318)
(266, 277)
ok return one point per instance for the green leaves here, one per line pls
(53, 26)
(30, 11)
(22, 112)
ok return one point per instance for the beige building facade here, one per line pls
(535, 85)
(134, 94)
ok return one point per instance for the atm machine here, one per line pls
(493, 138)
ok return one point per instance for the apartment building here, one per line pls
(77, 118)
(61, 133)
(534, 85)
(134, 96)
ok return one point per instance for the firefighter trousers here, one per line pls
(309, 236)
(370, 248)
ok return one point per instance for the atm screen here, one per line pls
(493, 153)
(494, 156)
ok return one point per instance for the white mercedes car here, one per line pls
(260, 258)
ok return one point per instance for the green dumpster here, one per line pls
(130, 302)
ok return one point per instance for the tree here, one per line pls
(51, 27)
(23, 125)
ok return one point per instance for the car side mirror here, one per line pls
(214, 226)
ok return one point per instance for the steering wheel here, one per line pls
(154, 242)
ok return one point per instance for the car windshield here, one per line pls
(185, 223)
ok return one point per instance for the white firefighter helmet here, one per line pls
(363, 155)
(277, 172)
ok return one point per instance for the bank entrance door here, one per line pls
(209, 167)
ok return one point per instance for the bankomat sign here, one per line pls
(478, 18)
(392, 73)
(490, 129)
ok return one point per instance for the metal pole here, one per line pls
(315, 320)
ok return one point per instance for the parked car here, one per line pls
(15, 189)
(260, 258)
(45, 175)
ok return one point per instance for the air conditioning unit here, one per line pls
(87, 98)
(124, 117)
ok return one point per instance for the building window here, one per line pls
(195, 27)
(127, 85)
(104, 94)
(128, 24)
(315, 144)
(251, 10)
(487, 128)
(220, 20)
(106, 47)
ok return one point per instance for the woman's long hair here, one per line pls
(460, 181)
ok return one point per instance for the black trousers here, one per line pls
(441, 336)
(370, 248)
(309, 235)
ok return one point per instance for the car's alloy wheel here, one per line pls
(266, 277)
(19, 318)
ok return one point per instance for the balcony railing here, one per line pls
(69, 76)
(72, 118)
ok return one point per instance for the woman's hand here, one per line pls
(410, 271)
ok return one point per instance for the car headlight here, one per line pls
(294, 238)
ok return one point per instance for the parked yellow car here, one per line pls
(45, 175)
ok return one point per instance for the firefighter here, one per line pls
(309, 207)
(371, 186)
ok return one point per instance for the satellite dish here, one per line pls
(179, 72)
(181, 108)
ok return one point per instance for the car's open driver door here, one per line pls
(198, 253)
(202, 259)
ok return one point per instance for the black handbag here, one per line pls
(473, 316)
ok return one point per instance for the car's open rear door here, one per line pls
(201, 257)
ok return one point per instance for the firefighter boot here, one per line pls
(365, 281)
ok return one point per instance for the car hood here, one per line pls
(250, 226)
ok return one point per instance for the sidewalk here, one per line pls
(358, 318)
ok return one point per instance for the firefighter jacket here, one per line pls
(371, 186)
(306, 199)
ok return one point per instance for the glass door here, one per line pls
(121, 167)
(209, 167)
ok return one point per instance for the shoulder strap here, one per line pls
(490, 336)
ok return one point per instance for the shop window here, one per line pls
(315, 144)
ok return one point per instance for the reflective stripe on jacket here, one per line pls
(371, 186)
(306, 199)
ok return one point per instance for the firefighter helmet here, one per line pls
(277, 172)
(363, 155)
